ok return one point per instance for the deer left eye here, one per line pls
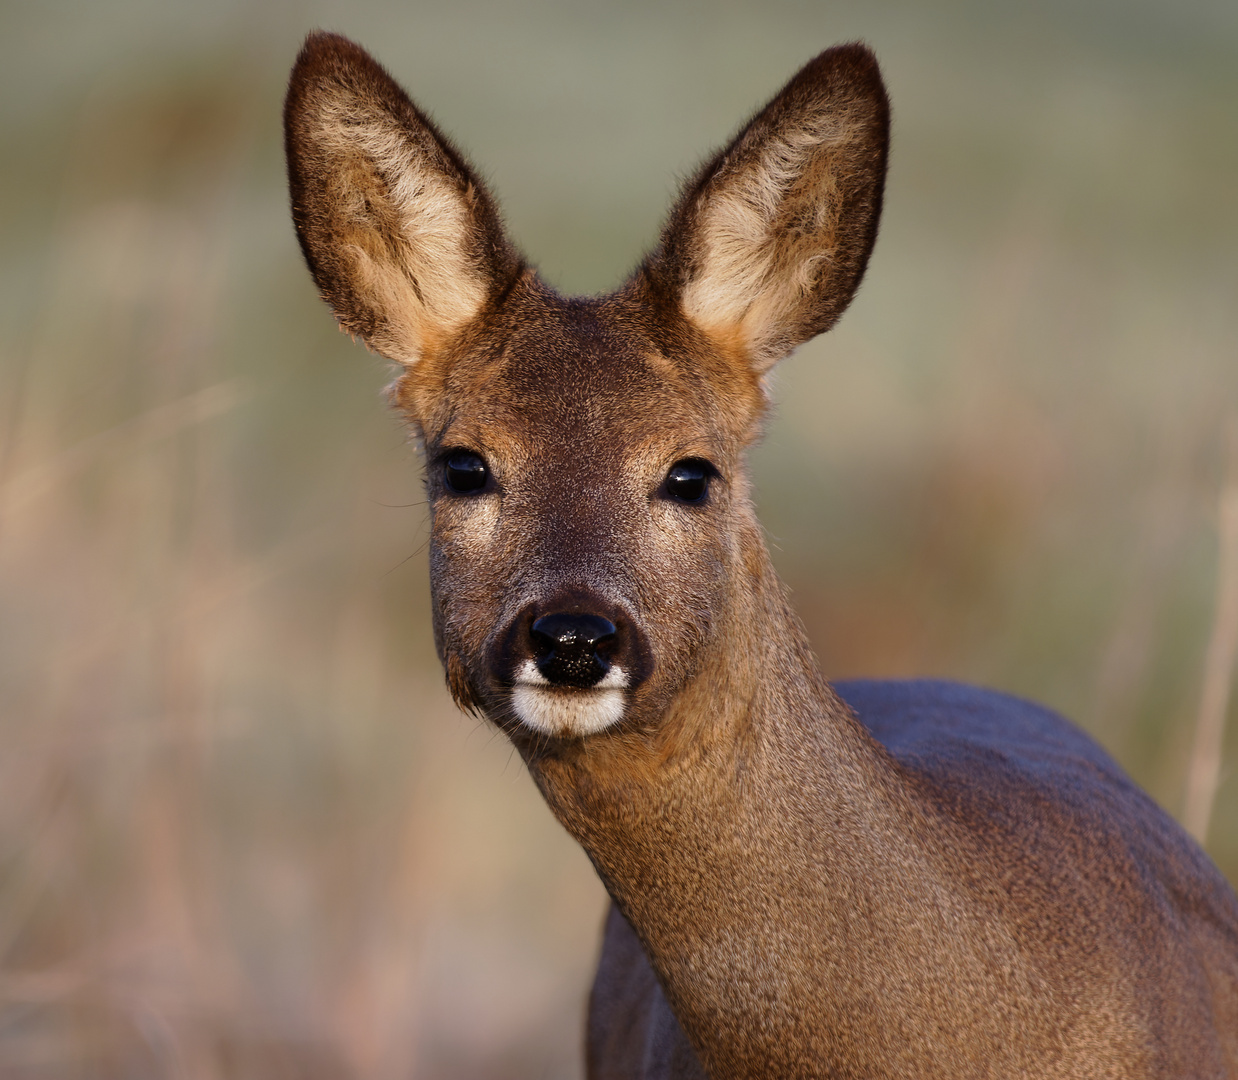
(688, 480)
(465, 471)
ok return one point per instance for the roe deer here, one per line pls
(877, 879)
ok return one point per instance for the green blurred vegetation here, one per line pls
(243, 832)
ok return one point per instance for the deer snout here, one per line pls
(574, 662)
(571, 649)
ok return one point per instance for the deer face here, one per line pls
(589, 508)
(592, 538)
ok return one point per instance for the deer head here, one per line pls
(594, 551)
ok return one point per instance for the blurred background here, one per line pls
(243, 833)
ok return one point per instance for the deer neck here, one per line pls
(764, 860)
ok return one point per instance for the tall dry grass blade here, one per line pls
(1204, 771)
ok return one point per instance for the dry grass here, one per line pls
(1204, 772)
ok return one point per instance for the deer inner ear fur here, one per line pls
(769, 241)
(402, 238)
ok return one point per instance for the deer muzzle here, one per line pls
(572, 665)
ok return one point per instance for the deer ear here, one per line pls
(403, 240)
(769, 241)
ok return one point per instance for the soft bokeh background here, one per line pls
(242, 831)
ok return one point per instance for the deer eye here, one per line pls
(464, 471)
(688, 480)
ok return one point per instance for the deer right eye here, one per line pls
(688, 480)
(465, 472)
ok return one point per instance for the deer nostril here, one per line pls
(567, 648)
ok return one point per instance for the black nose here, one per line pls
(567, 648)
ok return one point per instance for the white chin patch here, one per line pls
(568, 711)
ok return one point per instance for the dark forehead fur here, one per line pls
(548, 364)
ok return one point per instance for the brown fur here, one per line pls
(952, 885)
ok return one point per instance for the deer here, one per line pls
(906, 878)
